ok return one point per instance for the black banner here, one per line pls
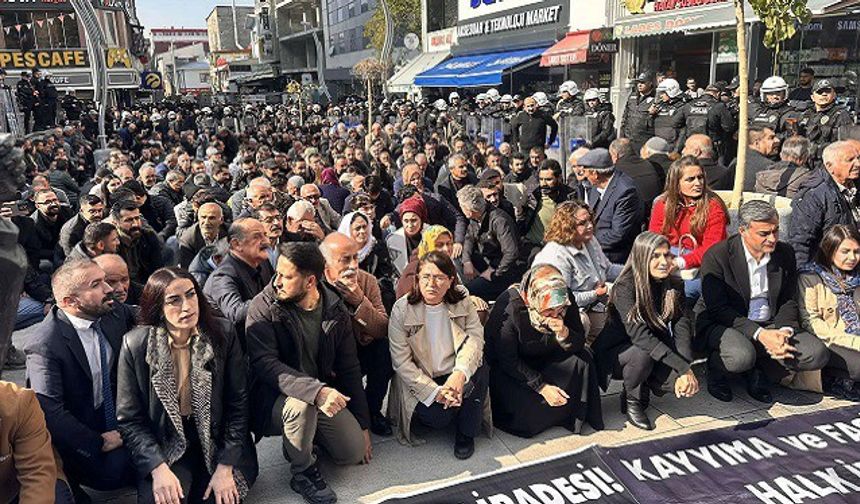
(812, 458)
(570, 478)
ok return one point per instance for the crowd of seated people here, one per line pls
(201, 291)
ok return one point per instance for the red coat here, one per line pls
(715, 229)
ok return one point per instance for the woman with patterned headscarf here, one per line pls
(373, 255)
(541, 374)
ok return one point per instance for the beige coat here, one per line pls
(819, 314)
(410, 356)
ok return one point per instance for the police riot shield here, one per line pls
(573, 133)
(473, 126)
(492, 130)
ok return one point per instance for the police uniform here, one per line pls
(822, 127)
(602, 125)
(669, 122)
(637, 124)
(782, 118)
(573, 106)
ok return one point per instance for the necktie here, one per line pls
(107, 390)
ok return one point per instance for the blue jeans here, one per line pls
(29, 312)
(692, 288)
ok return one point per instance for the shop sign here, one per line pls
(117, 57)
(646, 6)
(49, 58)
(656, 26)
(469, 9)
(520, 20)
(43, 4)
(601, 42)
(150, 80)
(71, 80)
(441, 40)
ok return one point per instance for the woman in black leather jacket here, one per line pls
(182, 398)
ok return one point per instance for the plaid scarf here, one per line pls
(843, 286)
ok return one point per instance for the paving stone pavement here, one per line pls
(399, 469)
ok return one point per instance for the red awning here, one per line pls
(570, 50)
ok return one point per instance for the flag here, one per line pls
(40, 22)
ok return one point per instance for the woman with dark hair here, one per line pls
(437, 349)
(373, 255)
(570, 246)
(691, 216)
(541, 375)
(182, 401)
(647, 341)
(828, 304)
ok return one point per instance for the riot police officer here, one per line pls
(708, 115)
(602, 124)
(637, 123)
(506, 112)
(571, 100)
(71, 105)
(249, 118)
(668, 122)
(821, 124)
(773, 111)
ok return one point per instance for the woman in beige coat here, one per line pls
(437, 349)
(830, 307)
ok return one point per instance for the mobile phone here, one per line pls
(18, 208)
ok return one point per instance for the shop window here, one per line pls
(204, 77)
(441, 14)
(111, 36)
(351, 9)
(365, 6)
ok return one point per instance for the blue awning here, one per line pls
(477, 70)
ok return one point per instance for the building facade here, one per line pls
(346, 43)
(48, 35)
(181, 69)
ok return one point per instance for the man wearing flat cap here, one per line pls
(616, 204)
(821, 124)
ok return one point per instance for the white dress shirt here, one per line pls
(90, 341)
(759, 305)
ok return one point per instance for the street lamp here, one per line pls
(320, 54)
(96, 47)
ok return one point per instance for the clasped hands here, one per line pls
(450, 395)
(777, 343)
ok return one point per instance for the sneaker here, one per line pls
(15, 359)
(312, 487)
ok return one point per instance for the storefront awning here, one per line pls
(479, 70)
(691, 19)
(404, 79)
(571, 50)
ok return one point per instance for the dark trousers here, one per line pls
(489, 290)
(28, 117)
(190, 470)
(468, 416)
(636, 367)
(844, 363)
(733, 352)
(375, 360)
(106, 471)
(62, 494)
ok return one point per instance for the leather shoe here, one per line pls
(636, 414)
(757, 387)
(645, 399)
(380, 425)
(464, 446)
(719, 388)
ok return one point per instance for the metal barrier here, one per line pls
(473, 126)
(492, 129)
(573, 133)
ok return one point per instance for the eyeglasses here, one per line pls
(312, 197)
(823, 91)
(436, 279)
(49, 202)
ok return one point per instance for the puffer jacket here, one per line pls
(817, 206)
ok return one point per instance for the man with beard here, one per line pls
(306, 376)
(529, 127)
(539, 206)
(360, 291)
(493, 189)
(92, 210)
(242, 274)
(139, 245)
(116, 275)
(71, 365)
(206, 231)
(99, 238)
(458, 177)
(48, 220)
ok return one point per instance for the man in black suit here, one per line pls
(242, 274)
(71, 365)
(616, 204)
(748, 317)
(648, 181)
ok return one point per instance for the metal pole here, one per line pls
(96, 47)
(235, 27)
(387, 44)
(308, 25)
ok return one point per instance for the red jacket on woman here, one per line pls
(715, 229)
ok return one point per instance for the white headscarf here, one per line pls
(345, 227)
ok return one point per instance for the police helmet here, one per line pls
(541, 98)
(775, 84)
(591, 94)
(568, 86)
(506, 98)
(493, 94)
(440, 105)
(670, 87)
